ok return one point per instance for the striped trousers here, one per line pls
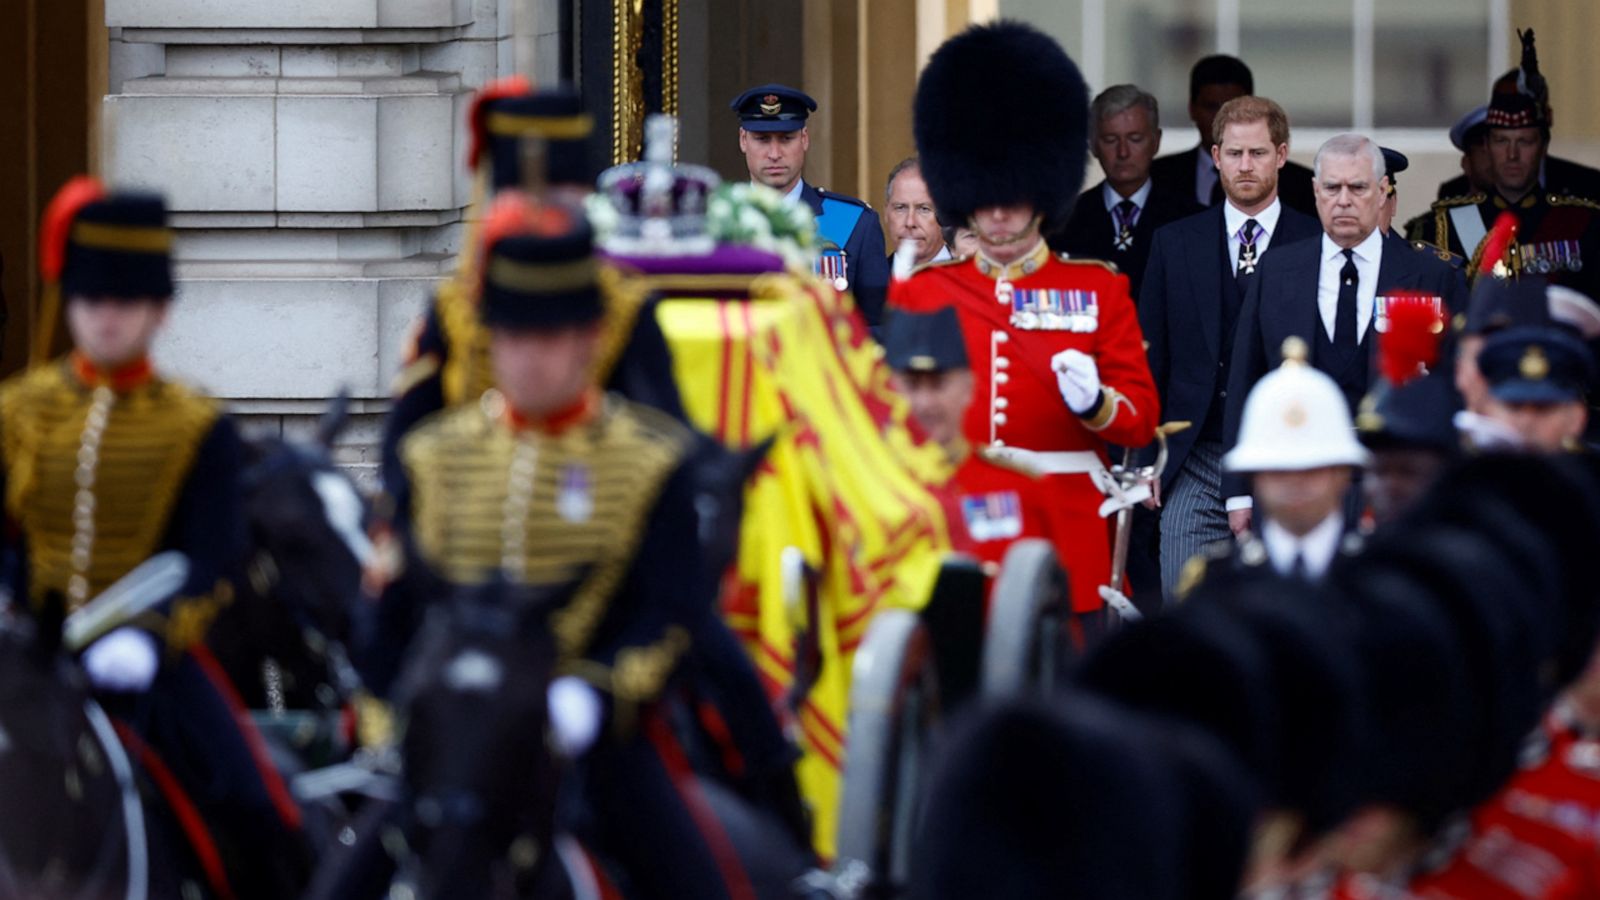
(1192, 513)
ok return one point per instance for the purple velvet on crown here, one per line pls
(726, 259)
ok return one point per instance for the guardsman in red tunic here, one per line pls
(997, 501)
(1054, 344)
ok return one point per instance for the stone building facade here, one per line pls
(312, 155)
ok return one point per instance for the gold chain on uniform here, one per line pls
(518, 506)
(94, 431)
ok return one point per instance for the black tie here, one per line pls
(1344, 316)
(1298, 570)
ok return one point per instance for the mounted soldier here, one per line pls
(106, 463)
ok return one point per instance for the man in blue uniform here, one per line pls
(774, 139)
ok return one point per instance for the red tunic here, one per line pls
(999, 504)
(1054, 304)
(1540, 836)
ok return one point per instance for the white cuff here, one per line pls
(1237, 503)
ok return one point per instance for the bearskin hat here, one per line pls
(1001, 117)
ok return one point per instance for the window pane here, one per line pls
(1302, 52)
(1150, 43)
(1431, 62)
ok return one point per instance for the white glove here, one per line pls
(124, 661)
(1078, 378)
(575, 713)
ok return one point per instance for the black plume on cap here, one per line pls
(1001, 117)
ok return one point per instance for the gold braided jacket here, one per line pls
(544, 509)
(141, 459)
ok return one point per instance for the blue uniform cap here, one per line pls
(773, 107)
(1458, 131)
(1536, 364)
(1394, 162)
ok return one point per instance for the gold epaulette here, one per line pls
(1460, 200)
(1571, 200)
(1084, 261)
(988, 455)
(952, 261)
(1441, 215)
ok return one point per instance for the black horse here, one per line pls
(481, 789)
(73, 825)
(281, 642)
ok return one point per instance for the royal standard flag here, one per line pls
(846, 483)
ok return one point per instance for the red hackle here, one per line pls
(1410, 346)
(515, 213)
(499, 89)
(1498, 242)
(57, 225)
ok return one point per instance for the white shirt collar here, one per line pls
(1266, 220)
(943, 254)
(794, 193)
(1367, 251)
(1317, 548)
(1112, 198)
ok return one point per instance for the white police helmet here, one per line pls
(1295, 419)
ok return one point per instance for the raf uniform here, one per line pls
(102, 470)
(1558, 234)
(447, 362)
(996, 501)
(597, 499)
(853, 258)
(1017, 318)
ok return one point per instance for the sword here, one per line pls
(150, 583)
(1130, 477)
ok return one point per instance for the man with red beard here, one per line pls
(1054, 343)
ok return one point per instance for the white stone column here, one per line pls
(312, 153)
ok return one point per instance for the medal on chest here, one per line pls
(834, 266)
(1547, 257)
(1052, 309)
(575, 496)
(1384, 305)
(1247, 259)
(992, 517)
